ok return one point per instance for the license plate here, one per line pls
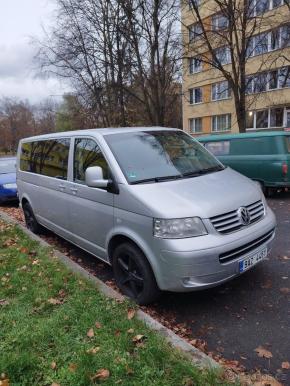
(250, 261)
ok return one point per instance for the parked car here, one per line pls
(263, 156)
(152, 202)
(8, 187)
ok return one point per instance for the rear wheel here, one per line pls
(134, 275)
(30, 219)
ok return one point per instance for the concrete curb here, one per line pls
(197, 357)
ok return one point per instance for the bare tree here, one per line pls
(226, 40)
(120, 55)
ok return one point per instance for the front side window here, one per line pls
(218, 148)
(195, 95)
(153, 156)
(220, 90)
(195, 125)
(221, 122)
(46, 157)
(87, 153)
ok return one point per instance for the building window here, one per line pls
(195, 31)
(260, 82)
(258, 7)
(195, 65)
(221, 122)
(223, 55)
(273, 80)
(262, 119)
(191, 3)
(219, 22)
(284, 77)
(285, 36)
(195, 125)
(276, 117)
(262, 6)
(250, 120)
(195, 95)
(220, 90)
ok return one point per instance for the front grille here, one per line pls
(230, 222)
(246, 248)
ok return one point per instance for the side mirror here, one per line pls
(94, 177)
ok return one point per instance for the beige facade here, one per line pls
(211, 108)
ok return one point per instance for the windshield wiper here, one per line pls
(157, 179)
(203, 171)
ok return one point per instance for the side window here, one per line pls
(218, 148)
(48, 158)
(254, 146)
(87, 153)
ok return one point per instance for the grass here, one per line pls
(46, 313)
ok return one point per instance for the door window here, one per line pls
(87, 153)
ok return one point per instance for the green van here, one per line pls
(262, 156)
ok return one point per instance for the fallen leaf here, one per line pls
(131, 331)
(101, 374)
(138, 339)
(90, 333)
(4, 302)
(24, 250)
(55, 384)
(131, 314)
(285, 290)
(72, 367)
(93, 350)
(263, 353)
(98, 325)
(54, 301)
(285, 365)
(53, 365)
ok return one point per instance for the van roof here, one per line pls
(218, 137)
(101, 131)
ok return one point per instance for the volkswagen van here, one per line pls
(151, 202)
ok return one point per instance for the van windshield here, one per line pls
(155, 156)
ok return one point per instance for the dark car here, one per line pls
(8, 187)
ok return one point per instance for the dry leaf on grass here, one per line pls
(131, 331)
(285, 365)
(4, 302)
(93, 350)
(90, 333)
(101, 375)
(54, 301)
(131, 314)
(55, 384)
(72, 367)
(24, 250)
(263, 353)
(53, 365)
(98, 325)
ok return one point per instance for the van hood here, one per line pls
(203, 196)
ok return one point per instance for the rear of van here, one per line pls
(264, 157)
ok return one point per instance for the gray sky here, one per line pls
(19, 20)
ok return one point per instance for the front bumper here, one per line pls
(183, 269)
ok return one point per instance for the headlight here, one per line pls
(10, 186)
(178, 228)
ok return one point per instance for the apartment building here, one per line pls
(208, 100)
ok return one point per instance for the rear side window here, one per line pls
(218, 148)
(87, 153)
(254, 146)
(47, 157)
(288, 143)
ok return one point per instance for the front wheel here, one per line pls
(134, 275)
(30, 219)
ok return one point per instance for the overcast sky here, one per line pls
(19, 21)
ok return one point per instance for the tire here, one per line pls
(30, 220)
(134, 275)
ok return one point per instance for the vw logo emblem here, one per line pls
(244, 215)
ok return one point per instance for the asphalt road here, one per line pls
(237, 317)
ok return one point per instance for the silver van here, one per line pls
(152, 202)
